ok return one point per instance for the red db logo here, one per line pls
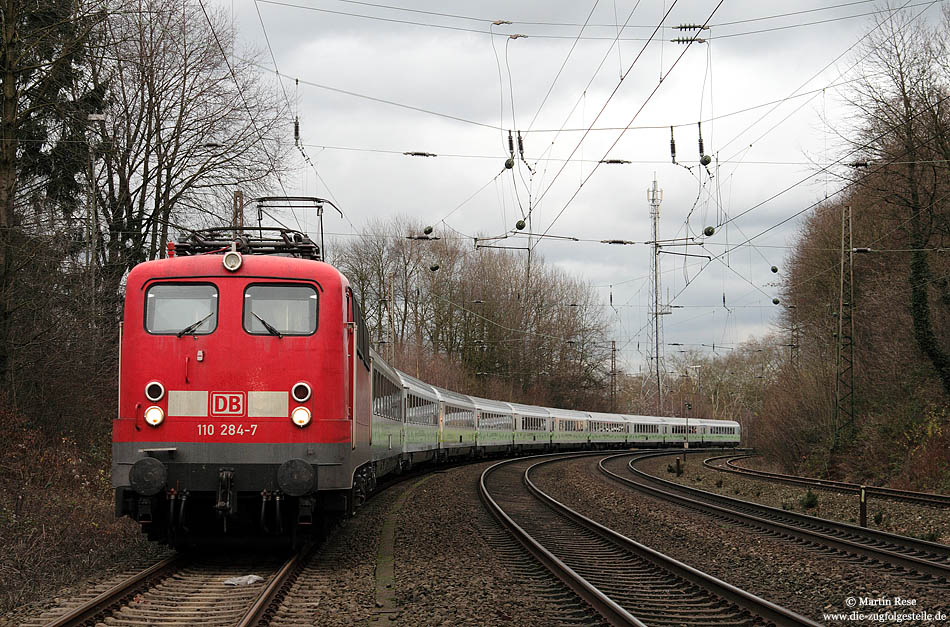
(227, 403)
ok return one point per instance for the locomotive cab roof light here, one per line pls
(232, 259)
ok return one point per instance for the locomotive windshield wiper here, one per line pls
(194, 325)
(270, 328)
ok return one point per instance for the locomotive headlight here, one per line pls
(154, 415)
(300, 416)
(300, 392)
(232, 260)
(154, 391)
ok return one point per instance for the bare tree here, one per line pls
(183, 127)
(903, 126)
(538, 342)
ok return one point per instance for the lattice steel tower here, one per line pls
(655, 197)
(844, 336)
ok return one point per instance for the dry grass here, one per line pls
(56, 515)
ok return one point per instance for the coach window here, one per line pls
(171, 308)
(280, 309)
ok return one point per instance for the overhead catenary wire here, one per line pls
(240, 91)
(637, 113)
(567, 57)
(483, 19)
(564, 129)
(603, 108)
(582, 98)
(297, 142)
(588, 37)
(838, 161)
(382, 100)
(928, 4)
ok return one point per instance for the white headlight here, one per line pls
(300, 416)
(232, 260)
(154, 415)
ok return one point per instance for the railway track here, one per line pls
(626, 582)
(727, 463)
(928, 562)
(182, 590)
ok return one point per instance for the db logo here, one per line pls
(227, 403)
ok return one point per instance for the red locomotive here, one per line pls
(243, 388)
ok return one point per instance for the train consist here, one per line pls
(251, 404)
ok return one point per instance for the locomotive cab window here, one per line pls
(280, 309)
(181, 308)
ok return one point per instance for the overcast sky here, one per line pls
(456, 83)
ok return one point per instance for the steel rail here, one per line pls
(871, 550)
(736, 598)
(101, 605)
(763, 608)
(264, 608)
(927, 498)
(607, 608)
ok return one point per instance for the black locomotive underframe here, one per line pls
(202, 502)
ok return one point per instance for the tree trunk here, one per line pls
(8, 177)
(920, 279)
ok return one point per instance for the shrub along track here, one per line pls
(624, 581)
(922, 561)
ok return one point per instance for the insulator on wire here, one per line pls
(521, 153)
(701, 151)
(296, 131)
(511, 144)
(672, 145)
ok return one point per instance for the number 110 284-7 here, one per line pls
(226, 429)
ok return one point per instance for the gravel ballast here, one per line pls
(447, 570)
(900, 517)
